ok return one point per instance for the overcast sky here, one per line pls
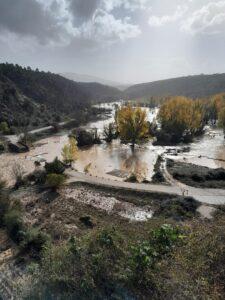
(122, 40)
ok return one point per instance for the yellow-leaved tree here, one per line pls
(70, 151)
(180, 115)
(132, 124)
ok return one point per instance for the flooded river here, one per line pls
(116, 161)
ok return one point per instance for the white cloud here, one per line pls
(126, 4)
(210, 19)
(156, 21)
(104, 26)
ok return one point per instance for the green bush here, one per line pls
(14, 224)
(33, 242)
(55, 181)
(165, 238)
(38, 176)
(146, 254)
(4, 128)
(56, 167)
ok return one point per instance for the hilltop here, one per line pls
(89, 78)
(196, 86)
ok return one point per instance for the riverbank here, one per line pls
(196, 176)
(97, 113)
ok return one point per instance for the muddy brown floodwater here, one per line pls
(116, 161)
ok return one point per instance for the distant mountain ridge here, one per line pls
(31, 98)
(195, 86)
(91, 79)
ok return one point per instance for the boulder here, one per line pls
(18, 147)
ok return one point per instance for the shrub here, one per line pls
(83, 137)
(165, 238)
(18, 173)
(56, 167)
(34, 242)
(14, 224)
(4, 206)
(87, 221)
(4, 128)
(146, 254)
(179, 208)
(38, 176)
(55, 181)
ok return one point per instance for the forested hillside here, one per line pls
(191, 86)
(36, 98)
(100, 92)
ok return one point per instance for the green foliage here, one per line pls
(56, 167)
(86, 138)
(14, 224)
(147, 254)
(4, 128)
(165, 238)
(4, 206)
(106, 237)
(96, 267)
(34, 242)
(38, 176)
(55, 181)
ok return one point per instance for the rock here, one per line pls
(17, 148)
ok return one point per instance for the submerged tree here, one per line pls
(181, 117)
(70, 151)
(109, 132)
(132, 124)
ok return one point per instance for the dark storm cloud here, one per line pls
(82, 10)
(28, 18)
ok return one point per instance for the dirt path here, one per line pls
(209, 196)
